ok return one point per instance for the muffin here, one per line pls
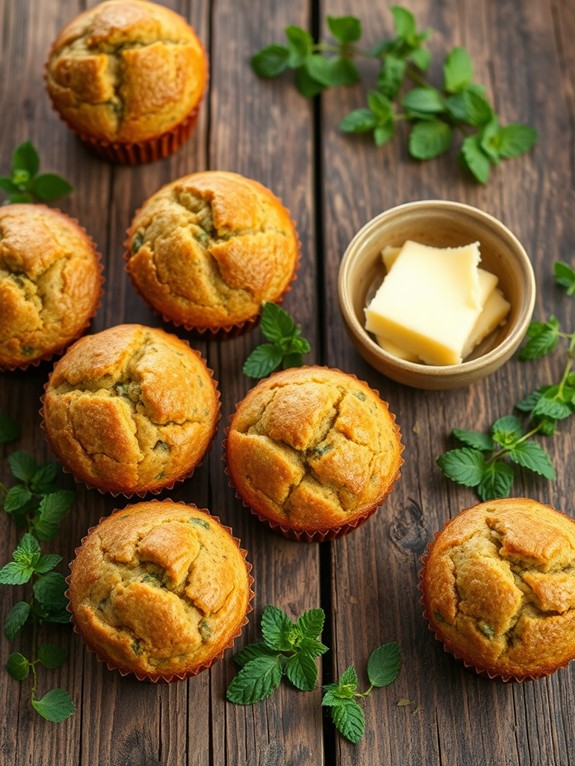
(159, 589)
(208, 249)
(131, 409)
(498, 585)
(313, 452)
(128, 76)
(50, 283)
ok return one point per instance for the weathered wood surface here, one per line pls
(367, 582)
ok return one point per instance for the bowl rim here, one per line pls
(503, 350)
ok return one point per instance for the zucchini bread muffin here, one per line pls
(159, 589)
(208, 249)
(131, 409)
(313, 452)
(128, 76)
(498, 585)
(50, 283)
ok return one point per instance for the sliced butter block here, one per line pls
(494, 313)
(394, 350)
(429, 301)
(389, 255)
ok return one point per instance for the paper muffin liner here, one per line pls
(200, 667)
(222, 332)
(450, 648)
(141, 493)
(59, 349)
(321, 534)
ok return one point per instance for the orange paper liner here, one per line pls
(59, 349)
(206, 664)
(141, 493)
(310, 535)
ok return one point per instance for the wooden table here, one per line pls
(367, 581)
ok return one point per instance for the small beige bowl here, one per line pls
(440, 224)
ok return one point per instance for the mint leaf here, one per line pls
(346, 29)
(529, 402)
(286, 347)
(16, 498)
(311, 646)
(256, 680)
(55, 706)
(15, 573)
(348, 719)
(329, 72)
(275, 323)
(347, 682)
(358, 121)
(9, 430)
(496, 482)
(515, 140)
(18, 666)
(457, 70)
(51, 602)
(16, 619)
(311, 623)
(22, 465)
(383, 133)
(271, 61)
(565, 276)
(301, 670)
(25, 158)
(262, 361)
(475, 439)
(464, 465)
(543, 337)
(381, 106)
(305, 83)
(384, 664)
(391, 75)
(277, 629)
(506, 430)
(52, 656)
(428, 139)
(49, 186)
(44, 477)
(52, 509)
(550, 407)
(421, 57)
(426, 100)
(28, 550)
(404, 23)
(250, 652)
(530, 455)
(478, 110)
(47, 562)
(475, 159)
(300, 45)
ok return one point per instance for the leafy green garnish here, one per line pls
(24, 184)
(38, 505)
(286, 347)
(487, 461)
(403, 93)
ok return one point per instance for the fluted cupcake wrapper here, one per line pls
(168, 677)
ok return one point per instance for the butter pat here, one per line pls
(494, 312)
(429, 301)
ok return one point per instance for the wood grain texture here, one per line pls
(367, 581)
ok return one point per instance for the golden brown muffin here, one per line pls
(50, 283)
(128, 76)
(498, 586)
(208, 249)
(313, 452)
(131, 409)
(159, 589)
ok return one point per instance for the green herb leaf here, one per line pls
(464, 465)
(429, 138)
(311, 646)
(15, 573)
(478, 110)
(301, 670)
(262, 361)
(530, 455)
(347, 682)
(47, 562)
(300, 44)
(349, 719)
(426, 100)
(8, 429)
(421, 57)
(489, 140)
(306, 84)
(311, 623)
(475, 439)
(16, 619)
(286, 347)
(391, 75)
(257, 679)
(457, 70)
(497, 481)
(550, 407)
(22, 465)
(346, 29)
(277, 629)
(51, 510)
(26, 158)
(16, 498)
(515, 140)
(51, 602)
(251, 651)
(543, 337)
(44, 477)
(564, 276)
(404, 23)
(49, 186)
(381, 106)
(506, 430)
(271, 61)
(383, 133)
(55, 706)
(18, 666)
(475, 159)
(51, 655)
(275, 323)
(358, 121)
(384, 664)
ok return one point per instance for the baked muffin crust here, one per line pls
(126, 71)
(130, 409)
(50, 282)
(208, 249)
(498, 587)
(159, 589)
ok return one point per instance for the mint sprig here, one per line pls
(38, 505)
(288, 649)
(436, 113)
(342, 697)
(286, 348)
(488, 461)
(26, 184)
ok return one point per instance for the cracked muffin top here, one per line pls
(126, 71)
(50, 283)
(313, 450)
(498, 587)
(130, 409)
(208, 249)
(159, 589)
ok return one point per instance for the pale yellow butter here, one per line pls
(494, 312)
(429, 302)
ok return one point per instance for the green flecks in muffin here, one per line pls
(136, 647)
(137, 242)
(202, 237)
(439, 617)
(153, 579)
(130, 390)
(359, 395)
(28, 350)
(205, 629)
(486, 629)
(321, 449)
(161, 475)
(161, 446)
(199, 522)
(200, 381)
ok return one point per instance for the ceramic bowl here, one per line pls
(438, 223)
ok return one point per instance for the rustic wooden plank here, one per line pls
(514, 50)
